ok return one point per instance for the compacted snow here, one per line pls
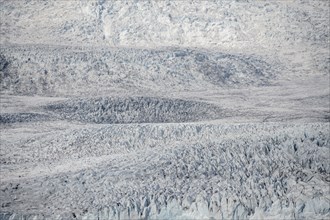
(164, 109)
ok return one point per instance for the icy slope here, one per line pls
(231, 24)
(172, 172)
(295, 30)
(164, 109)
(53, 71)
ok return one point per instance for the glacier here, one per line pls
(164, 109)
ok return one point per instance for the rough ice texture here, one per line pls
(207, 24)
(65, 70)
(134, 110)
(175, 171)
(164, 109)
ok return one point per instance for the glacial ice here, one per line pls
(164, 109)
(211, 172)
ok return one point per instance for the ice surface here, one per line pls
(134, 110)
(57, 71)
(173, 172)
(164, 109)
(212, 24)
